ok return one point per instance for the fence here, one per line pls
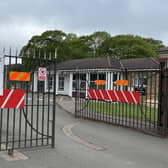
(32, 124)
(135, 104)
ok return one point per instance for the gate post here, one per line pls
(54, 105)
(163, 96)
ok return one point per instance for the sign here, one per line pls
(42, 74)
(100, 82)
(122, 82)
(19, 76)
(112, 95)
(12, 98)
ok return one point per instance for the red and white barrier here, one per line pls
(12, 98)
(113, 95)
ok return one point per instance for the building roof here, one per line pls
(164, 49)
(110, 63)
(90, 63)
(140, 63)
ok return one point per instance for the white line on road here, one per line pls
(68, 132)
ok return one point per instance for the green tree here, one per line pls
(100, 43)
(130, 46)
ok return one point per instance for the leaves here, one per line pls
(100, 43)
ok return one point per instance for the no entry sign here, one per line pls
(42, 74)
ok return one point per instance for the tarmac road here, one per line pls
(87, 144)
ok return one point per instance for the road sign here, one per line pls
(12, 98)
(19, 76)
(112, 95)
(122, 82)
(1, 74)
(100, 82)
(42, 74)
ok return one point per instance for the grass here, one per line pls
(125, 110)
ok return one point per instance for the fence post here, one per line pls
(54, 106)
(163, 95)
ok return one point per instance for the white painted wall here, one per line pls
(35, 81)
(67, 85)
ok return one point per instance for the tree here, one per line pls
(130, 46)
(100, 43)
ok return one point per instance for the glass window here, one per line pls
(81, 81)
(102, 76)
(98, 76)
(50, 82)
(61, 82)
(139, 82)
(114, 77)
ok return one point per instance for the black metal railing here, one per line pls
(33, 125)
(140, 111)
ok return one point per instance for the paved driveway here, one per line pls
(88, 144)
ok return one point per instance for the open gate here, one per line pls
(127, 98)
(30, 121)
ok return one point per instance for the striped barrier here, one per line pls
(19, 76)
(117, 96)
(12, 98)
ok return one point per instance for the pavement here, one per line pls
(89, 144)
(67, 103)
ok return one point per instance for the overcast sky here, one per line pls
(21, 19)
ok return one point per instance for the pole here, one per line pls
(54, 102)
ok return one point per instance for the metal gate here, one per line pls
(34, 124)
(127, 98)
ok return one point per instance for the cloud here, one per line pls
(20, 20)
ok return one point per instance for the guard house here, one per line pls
(100, 68)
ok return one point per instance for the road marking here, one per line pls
(68, 132)
(16, 155)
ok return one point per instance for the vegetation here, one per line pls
(132, 111)
(101, 43)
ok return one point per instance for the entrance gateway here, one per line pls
(27, 114)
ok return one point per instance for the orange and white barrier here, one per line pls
(113, 95)
(12, 98)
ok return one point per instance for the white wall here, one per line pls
(67, 84)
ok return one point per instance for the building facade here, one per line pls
(82, 73)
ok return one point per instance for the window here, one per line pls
(61, 82)
(95, 76)
(114, 77)
(50, 82)
(81, 78)
(140, 84)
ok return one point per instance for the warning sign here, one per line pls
(19, 76)
(100, 82)
(42, 74)
(1, 74)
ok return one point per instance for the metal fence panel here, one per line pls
(33, 125)
(134, 105)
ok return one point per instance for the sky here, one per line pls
(21, 19)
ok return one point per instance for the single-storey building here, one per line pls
(141, 73)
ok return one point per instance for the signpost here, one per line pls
(42, 74)
(1, 74)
